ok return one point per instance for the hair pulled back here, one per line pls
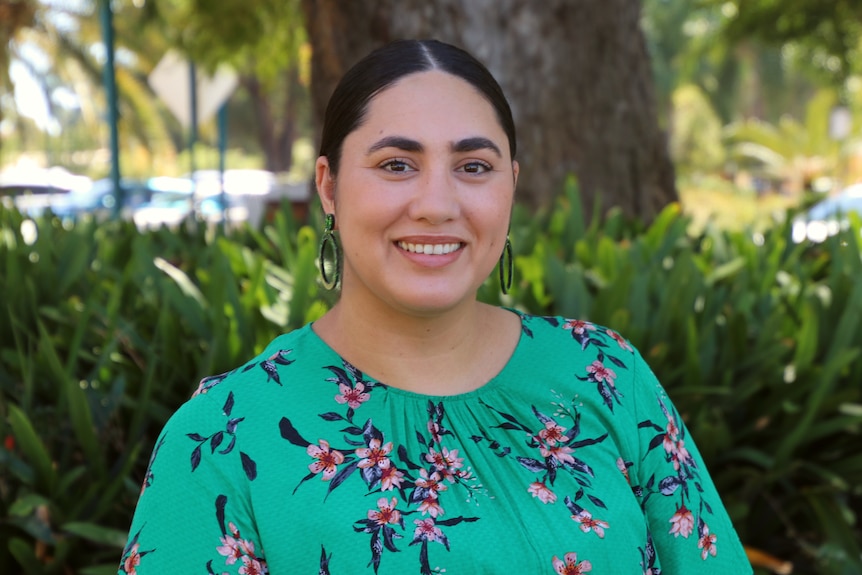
(385, 66)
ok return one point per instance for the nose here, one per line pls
(435, 198)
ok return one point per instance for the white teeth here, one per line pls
(436, 249)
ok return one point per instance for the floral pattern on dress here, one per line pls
(422, 481)
(557, 441)
(569, 565)
(598, 372)
(234, 548)
(685, 473)
(216, 439)
(149, 477)
(132, 555)
(269, 366)
(649, 559)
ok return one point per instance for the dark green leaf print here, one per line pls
(289, 432)
(217, 438)
(249, 466)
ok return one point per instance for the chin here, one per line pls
(431, 302)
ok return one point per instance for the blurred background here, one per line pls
(754, 103)
(691, 176)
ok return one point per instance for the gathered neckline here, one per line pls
(493, 383)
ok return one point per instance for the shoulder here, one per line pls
(269, 366)
(581, 339)
(584, 352)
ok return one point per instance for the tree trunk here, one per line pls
(277, 129)
(576, 73)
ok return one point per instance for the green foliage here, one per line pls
(104, 333)
(827, 32)
(695, 140)
(790, 151)
(107, 330)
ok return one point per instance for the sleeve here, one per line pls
(690, 529)
(194, 513)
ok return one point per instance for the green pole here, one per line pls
(222, 152)
(111, 97)
(193, 129)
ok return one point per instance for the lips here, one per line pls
(429, 249)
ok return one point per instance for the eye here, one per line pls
(476, 167)
(396, 165)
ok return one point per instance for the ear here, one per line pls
(325, 182)
(516, 169)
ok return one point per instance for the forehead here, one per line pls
(431, 106)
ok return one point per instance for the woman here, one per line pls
(413, 429)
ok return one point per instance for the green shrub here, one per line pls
(106, 330)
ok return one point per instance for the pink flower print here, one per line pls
(464, 474)
(431, 506)
(672, 430)
(327, 460)
(230, 549)
(578, 326)
(252, 566)
(352, 396)
(132, 561)
(571, 565)
(247, 547)
(374, 454)
(426, 529)
(597, 526)
(707, 543)
(561, 453)
(434, 430)
(682, 523)
(601, 373)
(432, 484)
(385, 512)
(540, 490)
(621, 465)
(619, 339)
(553, 433)
(446, 462)
(679, 454)
(391, 478)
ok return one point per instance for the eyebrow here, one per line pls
(408, 145)
(474, 144)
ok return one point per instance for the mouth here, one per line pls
(430, 249)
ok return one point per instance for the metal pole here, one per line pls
(107, 19)
(193, 132)
(222, 150)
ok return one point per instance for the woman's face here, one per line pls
(423, 196)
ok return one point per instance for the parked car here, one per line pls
(240, 196)
(250, 194)
(34, 190)
(100, 199)
(168, 206)
(829, 216)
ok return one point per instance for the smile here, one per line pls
(429, 249)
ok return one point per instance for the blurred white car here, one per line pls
(171, 201)
(238, 196)
(248, 194)
(828, 217)
(34, 190)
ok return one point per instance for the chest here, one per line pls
(444, 489)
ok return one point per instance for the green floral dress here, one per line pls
(572, 460)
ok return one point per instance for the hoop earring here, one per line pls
(328, 241)
(506, 268)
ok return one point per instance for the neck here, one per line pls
(439, 354)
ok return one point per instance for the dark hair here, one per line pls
(388, 64)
